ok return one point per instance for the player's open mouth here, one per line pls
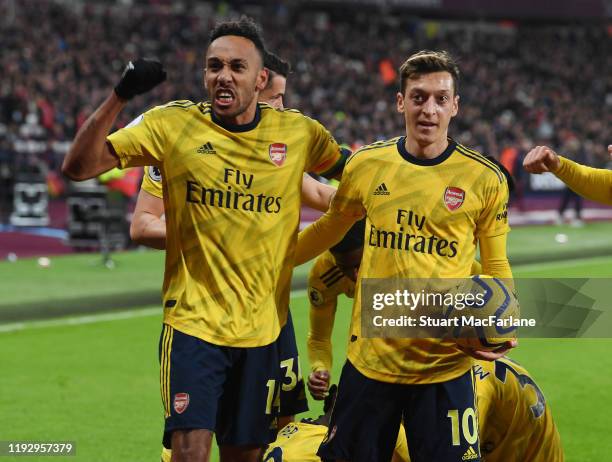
(224, 97)
(426, 124)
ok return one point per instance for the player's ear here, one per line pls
(400, 102)
(262, 79)
(455, 106)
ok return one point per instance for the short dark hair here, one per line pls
(352, 240)
(426, 62)
(276, 66)
(244, 27)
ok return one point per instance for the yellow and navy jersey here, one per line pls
(516, 423)
(300, 441)
(325, 283)
(231, 199)
(424, 220)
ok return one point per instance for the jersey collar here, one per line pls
(401, 148)
(237, 128)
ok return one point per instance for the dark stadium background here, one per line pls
(533, 72)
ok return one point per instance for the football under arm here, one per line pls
(148, 227)
(315, 194)
(493, 256)
(592, 183)
(89, 155)
(321, 235)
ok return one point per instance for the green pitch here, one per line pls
(94, 380)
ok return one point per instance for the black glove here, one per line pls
(139, 77)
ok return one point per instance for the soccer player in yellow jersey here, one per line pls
(149, 228)
(298, 442)
(593, 183)
(517, 424)
(428, 202)
(232, 172)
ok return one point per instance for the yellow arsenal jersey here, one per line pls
(300, 441)
(231, 198)
(325, 283)
(516, 424)
(424, 219)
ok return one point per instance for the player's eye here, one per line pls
(215, 67)
(443, 99)
(238, 67)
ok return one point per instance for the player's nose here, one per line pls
(430, 106)
(225, 75)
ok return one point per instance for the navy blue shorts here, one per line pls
(229, 391)
(293, 392)
(440, 420)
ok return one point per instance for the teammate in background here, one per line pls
(148, 226)
(592, 183)
(232, 171)
(428, 201)
(298, 442)
(516, 423)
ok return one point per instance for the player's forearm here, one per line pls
(148, 230)
(321, 235)
(593, 183)
(89, 155)
(315, 194)
(494, 257)
(319, 355)
(319, 337)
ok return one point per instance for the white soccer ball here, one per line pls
(44, 262)
(488, 322)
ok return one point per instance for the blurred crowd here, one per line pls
(522, 84)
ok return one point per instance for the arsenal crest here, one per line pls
(453, 198)
(181, 401)
(278, 153)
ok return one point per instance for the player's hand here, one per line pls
(139, 77)
(541, 159)
(486, 355)
(318, 384)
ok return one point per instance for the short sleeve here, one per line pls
(325, 157)
(141, 142)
